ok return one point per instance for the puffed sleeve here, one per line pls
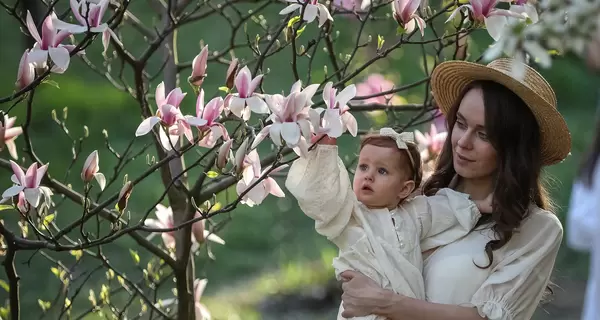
(583, 218)
(517, 282)
(321, 184)
(444, 217)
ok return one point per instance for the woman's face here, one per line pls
(473, 155)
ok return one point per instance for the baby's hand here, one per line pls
(485, 205)
(323, 139)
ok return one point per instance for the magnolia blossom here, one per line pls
(290, 117)
(246, 100)
(485, 11)
(251, 174)
(91, 170)
(206, 120)
(312, 10)
(26, 73)
(199, 67)
(170, 117)
(8, 134)
(374, 84)
(430, 143)
(27, 182)
(337, 118)
(231, 72)
(89, 14)
(124, 195)
(405, 15)
(165, 220)
(225, 154)
(49, 44)
(200, 311)
(352, 5)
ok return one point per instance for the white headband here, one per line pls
(401, 140)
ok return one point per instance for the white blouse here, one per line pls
(511, 288)
(385, 246)
(583, 223)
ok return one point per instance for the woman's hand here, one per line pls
(362, 296)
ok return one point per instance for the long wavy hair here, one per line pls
(514, 133)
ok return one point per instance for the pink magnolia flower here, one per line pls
(49, 44)
(245, 100)
(28, 183)
(26, 73)
(290, 122)
(88, 13)
(485, 11)
(290, 117)
(337, 119)
(8, 134)
(165, 220)
(206, 120)
(200, 311)
(252, 173)
(313, 10)
(374, 84)
(199, 67)
(91, 170)
(170, 117)
(430, 143)
(247, 164)
(404, 14)
(231, 72)
(352, 5)
(224, 154)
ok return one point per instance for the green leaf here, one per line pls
(48, 219)
(5, 207)
(45, 305)
(224, 89)
(292, 21)
(52, 83)
(135, 256)
(380, 42)
(299, 32)
(212, 174)
(4, 285)
(400, 31)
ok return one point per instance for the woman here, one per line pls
(502, 132)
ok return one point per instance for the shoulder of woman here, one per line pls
(540, 220)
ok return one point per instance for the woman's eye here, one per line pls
(460, 124)
(483, 136)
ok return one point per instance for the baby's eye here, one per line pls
(362, 167)
(382, 171)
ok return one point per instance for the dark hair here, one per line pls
(588, 166)
(416, 172)
(514, 133)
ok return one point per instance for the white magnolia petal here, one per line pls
(101, 180)
(38, 57)
(237, 105)
(61, 58)
(33, 195)
(273, 188)
(350, 123)
(310, 13)
(333, 122)
(195, 121)
(291, 8)
(146, 126)
(275, 133)
(12, 191)
(346, 95)
(290, 132)
(495, 25)
(213, 237)
(260, 136)
(257, 105)
(305, 128)
(72, 28)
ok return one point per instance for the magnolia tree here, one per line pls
(221, 136)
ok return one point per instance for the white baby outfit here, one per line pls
(384, 245)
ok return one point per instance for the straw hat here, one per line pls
(449, 79)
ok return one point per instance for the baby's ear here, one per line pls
(407, 188)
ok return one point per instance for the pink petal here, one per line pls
(75, 5)
(146, 126)
(160, 94)
(260, 136)
(48, 33)
(175, 96)
(19, 174)
(61, 58)
(213, 109)
(41, 171)
(350, 123)
(254, 84)
(242, 82)
(200, 104)
(273, 188)
(32, 28)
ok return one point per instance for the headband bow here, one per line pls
(400, 138)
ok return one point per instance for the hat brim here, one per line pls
(450, 78)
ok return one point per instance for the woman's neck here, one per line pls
(478, 189)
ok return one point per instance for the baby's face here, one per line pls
(380, 177)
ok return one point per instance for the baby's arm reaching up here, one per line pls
(322, 187)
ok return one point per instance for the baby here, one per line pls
(379, 230)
